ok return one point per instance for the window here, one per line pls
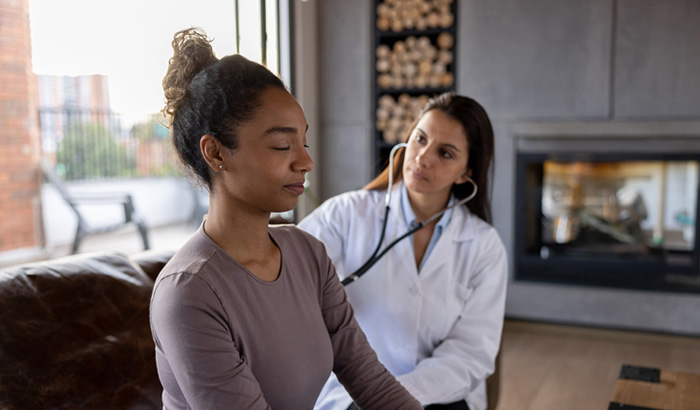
(100, 65)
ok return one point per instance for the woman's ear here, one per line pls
(211, 151)
(464, 177)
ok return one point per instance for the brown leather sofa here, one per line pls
(74, 333)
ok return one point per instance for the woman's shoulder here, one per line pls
(289, 235)
(300, 249)
(192, 255)
(474, 227)
(192, 261)
(479, 224)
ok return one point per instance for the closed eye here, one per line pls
(287, 148)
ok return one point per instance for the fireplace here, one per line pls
(642, 286)
(607, 218)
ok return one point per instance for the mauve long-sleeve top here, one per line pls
(226, 339)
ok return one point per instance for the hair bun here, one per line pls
(192, 52)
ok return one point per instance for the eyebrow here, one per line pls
(444, 145)
(282, 130)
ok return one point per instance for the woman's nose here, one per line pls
(303, 162)
(423, 158)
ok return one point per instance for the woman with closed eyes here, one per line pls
(248, 316)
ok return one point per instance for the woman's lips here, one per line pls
(418, 176)
(297, 189)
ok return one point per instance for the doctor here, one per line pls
(432, 307)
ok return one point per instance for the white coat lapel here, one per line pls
(397, 227)
(458, 230)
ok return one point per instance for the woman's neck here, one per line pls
(426, 205)
(242, 234)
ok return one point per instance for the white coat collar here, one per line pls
(460, 228)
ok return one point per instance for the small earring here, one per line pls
(221, 166)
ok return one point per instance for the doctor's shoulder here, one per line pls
(348, 205)
(362, 201)
(481, 230)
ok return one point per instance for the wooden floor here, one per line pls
(547, 366)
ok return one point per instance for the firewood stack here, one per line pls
(411, 65)
(394, 116)
(415, 63)
(400, 15)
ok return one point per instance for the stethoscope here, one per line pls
(416, 226)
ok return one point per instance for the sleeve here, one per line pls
(355, 364)
(467, 356)
(191, 331)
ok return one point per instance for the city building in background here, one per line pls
(63, 99)
(83, 138)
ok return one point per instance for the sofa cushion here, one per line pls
(74, 334)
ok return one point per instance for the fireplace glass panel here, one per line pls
(607, 219)
(621, 208)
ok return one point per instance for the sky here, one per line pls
(129, 41)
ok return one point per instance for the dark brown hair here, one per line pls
(207, 95)
(480, 140)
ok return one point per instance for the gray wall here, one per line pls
(345, 37)
(598, 69)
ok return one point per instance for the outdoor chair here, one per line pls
(76, 200)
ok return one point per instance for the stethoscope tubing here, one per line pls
(377, 254)
(371, 260)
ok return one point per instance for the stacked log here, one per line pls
(394, 116)
(415, 63)
(400, 15)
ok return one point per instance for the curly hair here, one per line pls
(192, 52)
(207, 95)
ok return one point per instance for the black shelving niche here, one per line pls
(383, 142)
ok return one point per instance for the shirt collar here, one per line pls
(410, 217)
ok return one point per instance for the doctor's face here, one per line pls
(436, 155)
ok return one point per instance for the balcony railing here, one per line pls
(91, 144)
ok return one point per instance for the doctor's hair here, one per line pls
(480, 140)
(207, 95)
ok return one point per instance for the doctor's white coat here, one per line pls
(438, 331)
